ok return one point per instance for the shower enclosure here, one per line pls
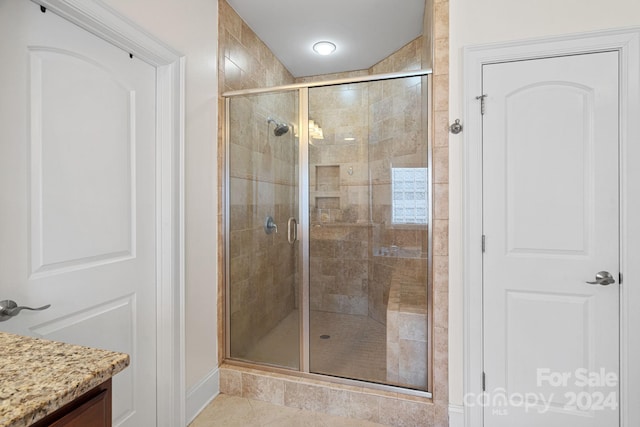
(327, 229)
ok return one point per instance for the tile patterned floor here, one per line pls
(356, 347)
(230, 411)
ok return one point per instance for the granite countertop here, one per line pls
(41, 376)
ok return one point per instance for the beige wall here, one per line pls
(190, 27)
(483, 21)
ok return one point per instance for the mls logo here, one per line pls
(499, 411)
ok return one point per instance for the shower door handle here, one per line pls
(292, 237)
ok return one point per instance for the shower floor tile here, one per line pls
(280, 346)
(355, 347)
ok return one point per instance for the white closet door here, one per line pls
(551, 221)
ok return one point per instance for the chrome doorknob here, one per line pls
(603, 278)
(9, 308)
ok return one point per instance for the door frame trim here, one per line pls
(627, 42)
(104, 22)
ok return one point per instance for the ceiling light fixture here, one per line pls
(324, 48)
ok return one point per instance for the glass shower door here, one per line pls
(262, 256)
(349, 299)
(368, 233)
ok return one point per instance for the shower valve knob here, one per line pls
(269, 225)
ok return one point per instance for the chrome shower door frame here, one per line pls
(303, 207)
(303, 225)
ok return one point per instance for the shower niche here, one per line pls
(342, 289)
(326, 192)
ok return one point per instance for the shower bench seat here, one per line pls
(407, 332)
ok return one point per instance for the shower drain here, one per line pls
(325, 337)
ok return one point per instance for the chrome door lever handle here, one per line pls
(9, 309)
(603, 278)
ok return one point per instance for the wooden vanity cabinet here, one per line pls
(92, 409)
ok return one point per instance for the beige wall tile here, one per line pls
(441, 271)
(441, 416)
(255, 159)
(441, 201)
(440, 92)
(413, 363)
(337, 402)
(230, 382)
(254, 66)
(441, 365)
(441, 22)
(258, 387)
(364, 406)
(440, 308)
(441, 56)
(413, 326)
(441, 165)
(229, 19)
(441, 237)
(404, 413)
(305, 396)
(441, 128)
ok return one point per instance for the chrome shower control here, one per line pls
(269, 225)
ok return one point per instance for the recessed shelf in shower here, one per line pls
(327, 194)
(328, 178)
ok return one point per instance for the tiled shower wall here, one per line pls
(339, 200)
(384, 118)
(261, 182)
(440, 226)
(390, 408)
(397, 140)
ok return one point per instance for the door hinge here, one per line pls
(620, 278)
(483, 243)
(482, 103)
(484, 383)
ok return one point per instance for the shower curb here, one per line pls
(379, 406)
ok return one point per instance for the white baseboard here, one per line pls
(456, 415)
(201, 394)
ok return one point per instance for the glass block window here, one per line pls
(409, 195)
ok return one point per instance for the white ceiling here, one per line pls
(364, 31)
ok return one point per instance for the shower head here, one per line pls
(280, 129)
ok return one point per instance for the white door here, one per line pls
(550, 221)
(78, 195)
